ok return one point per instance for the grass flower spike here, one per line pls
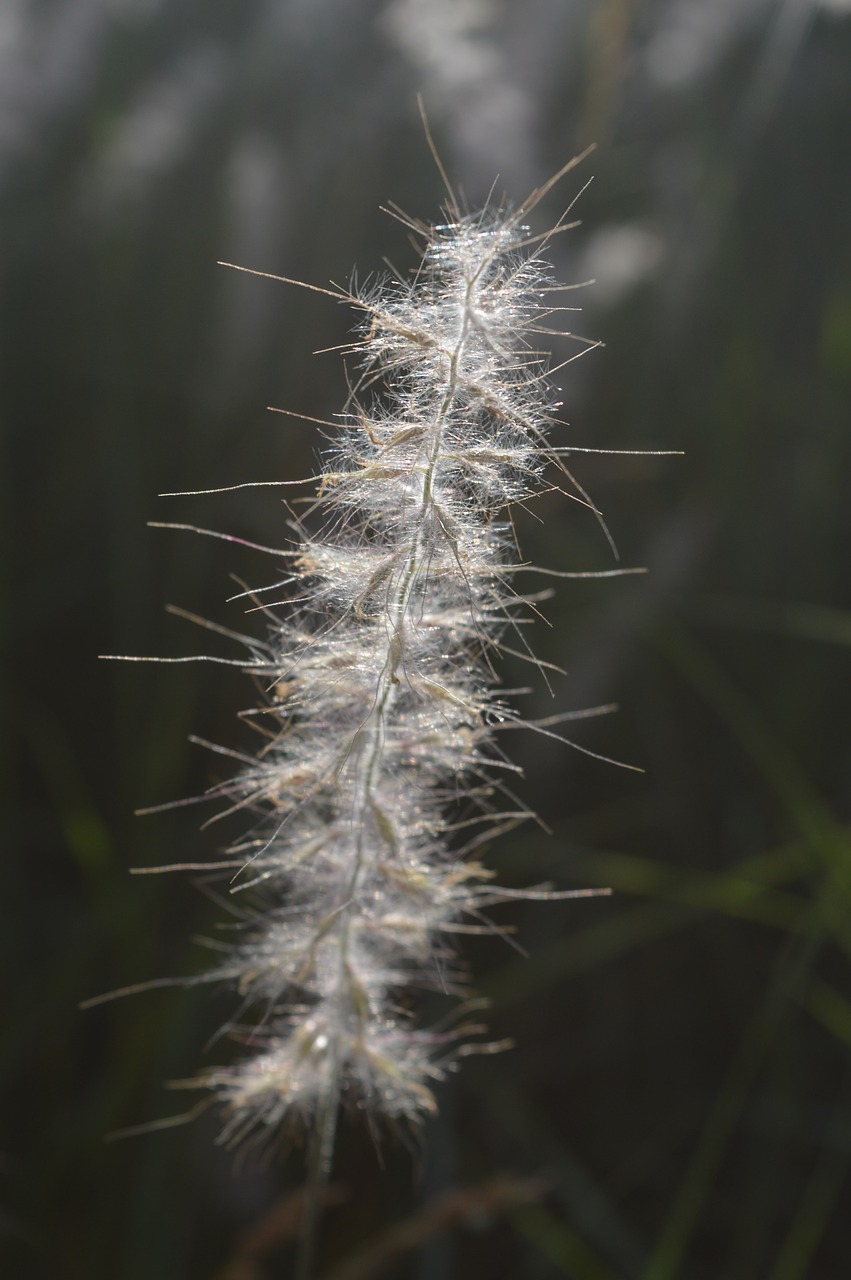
(380, 775)
(381, 690)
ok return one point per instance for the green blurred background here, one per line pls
(678, 1103)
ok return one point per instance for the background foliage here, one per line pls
(678, 1102)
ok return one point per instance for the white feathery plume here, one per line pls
(381, 690)
(381, 700)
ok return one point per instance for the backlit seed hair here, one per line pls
(381, 774)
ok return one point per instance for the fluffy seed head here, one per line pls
(381, 701)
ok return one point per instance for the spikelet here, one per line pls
(381, 690)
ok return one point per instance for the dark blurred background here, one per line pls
(678, 1103)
